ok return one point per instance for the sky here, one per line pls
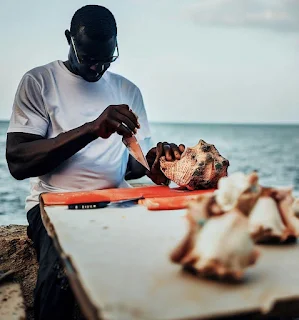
(228, 61)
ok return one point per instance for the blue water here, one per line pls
(273, 150)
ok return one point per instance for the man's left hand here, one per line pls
(171, 152)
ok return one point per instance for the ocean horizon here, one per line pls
(296, 123)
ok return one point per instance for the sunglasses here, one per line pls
(90, 61)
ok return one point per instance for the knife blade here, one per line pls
(135, 150)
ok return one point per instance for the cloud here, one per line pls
(276, 15)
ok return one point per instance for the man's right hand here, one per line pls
(116, 118)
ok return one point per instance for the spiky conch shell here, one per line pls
(200, 167)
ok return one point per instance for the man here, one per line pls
(65, 134)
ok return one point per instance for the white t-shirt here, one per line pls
(51, 100)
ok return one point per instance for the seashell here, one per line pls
(221, 247)
(200, 167)
(274, 216)
(265, 223)
(238, 191)
(272, 212)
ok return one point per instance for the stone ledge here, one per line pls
(12, 305)
(17, 255)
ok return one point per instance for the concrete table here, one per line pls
(117, 260)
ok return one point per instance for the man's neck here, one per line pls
(69, 67)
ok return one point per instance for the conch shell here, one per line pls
(238, 191)
(200, 167)
(219, 247)
(274, 217)
(273, 213)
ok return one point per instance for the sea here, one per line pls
(272, 150)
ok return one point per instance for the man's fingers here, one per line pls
(167, 151)
(120, 128)
(151, 156)
(135, 116)
(176, 151)
(124, 131)
(126, 122)
(159, 153)
(170, 150)
(128, 113)
(181, 148)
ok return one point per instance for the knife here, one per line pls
(135, 150)
(103, 204)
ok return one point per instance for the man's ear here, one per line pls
(68, 36)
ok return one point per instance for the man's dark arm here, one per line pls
(30, 155)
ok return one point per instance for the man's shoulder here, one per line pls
(40, 71)
(119, 81)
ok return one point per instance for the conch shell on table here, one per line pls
(218, 242)
(273, 213)
(220, 247)
(200, 167)
(238, 191)
(275, 216)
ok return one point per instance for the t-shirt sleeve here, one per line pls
(28, 113)
(143, 134)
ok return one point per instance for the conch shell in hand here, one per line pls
(200, 167)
